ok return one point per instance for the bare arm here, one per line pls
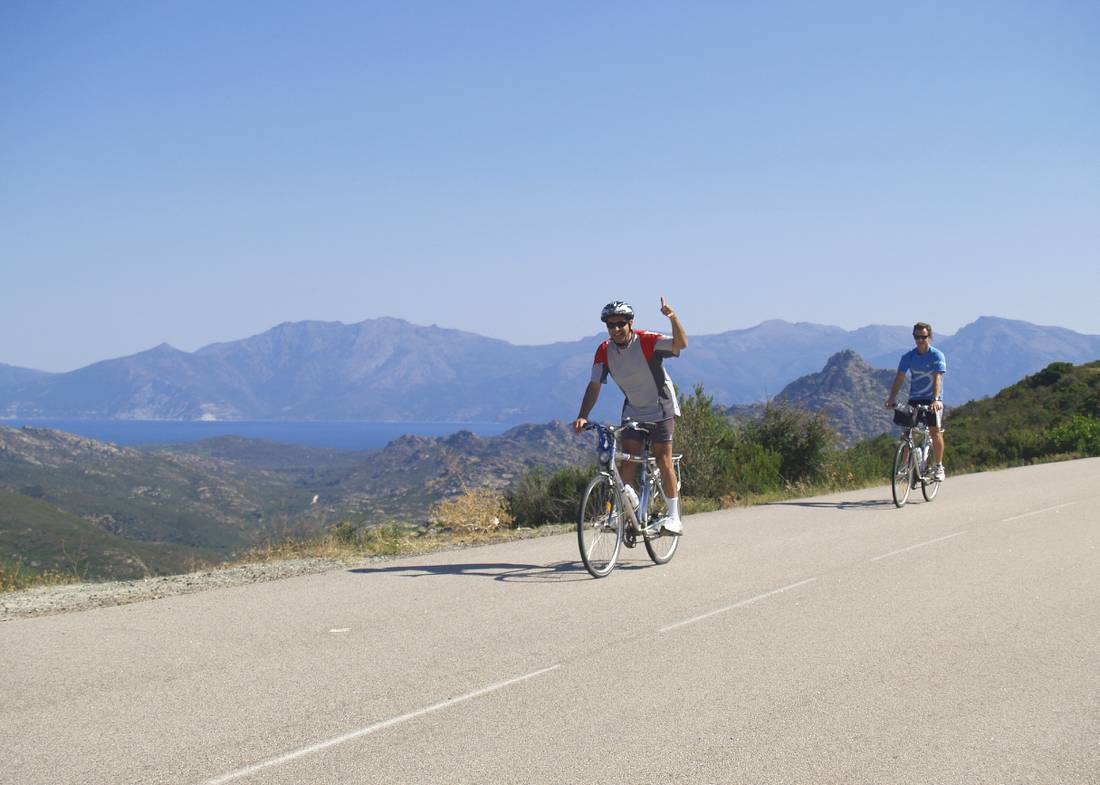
(591, 394)
(898, 381)
(679, 337)
(937, 390)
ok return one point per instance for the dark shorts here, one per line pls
(933, 419)
(659, 432)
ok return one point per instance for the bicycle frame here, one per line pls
(632, 516)
(613, 514)
(648, 464)
(917, 462)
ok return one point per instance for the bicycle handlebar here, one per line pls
(631, 425)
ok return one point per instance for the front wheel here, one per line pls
(661, 546)
(927, 487)
(902, 481)
(599, 527)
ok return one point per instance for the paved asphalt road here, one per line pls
(826, 640)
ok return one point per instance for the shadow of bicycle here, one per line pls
(533, 573)
(559, 572)
(871, 504)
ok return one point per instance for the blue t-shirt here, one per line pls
(921, 368)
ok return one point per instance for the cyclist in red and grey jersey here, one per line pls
(633, 358)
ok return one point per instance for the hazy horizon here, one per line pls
(940, 335)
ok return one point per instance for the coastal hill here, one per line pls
(73, 504)
(389, 369)
(78, 505)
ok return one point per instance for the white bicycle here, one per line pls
(608, 518)
(911, 464)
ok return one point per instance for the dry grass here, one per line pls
(480, 511)
(349, 541)
(16, 578)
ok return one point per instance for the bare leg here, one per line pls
(662, 451)
(628, 470)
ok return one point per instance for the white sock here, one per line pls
(674, 508)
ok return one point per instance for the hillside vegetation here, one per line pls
(42, 543)
(78, 507)
(1052, 413)
(72, 508)
(784, 450)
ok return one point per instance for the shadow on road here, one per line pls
(872, 504)
(561, 571)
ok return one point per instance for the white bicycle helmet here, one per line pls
(617, 308)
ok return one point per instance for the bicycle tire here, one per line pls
(599, 527)
(661, 547)
(928, 488)
(901, 482)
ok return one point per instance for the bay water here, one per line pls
(332, 435)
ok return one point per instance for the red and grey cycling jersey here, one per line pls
(637, 369)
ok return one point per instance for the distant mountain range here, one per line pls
(389, 369)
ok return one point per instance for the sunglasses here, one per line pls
(616, 325)
(920, 337)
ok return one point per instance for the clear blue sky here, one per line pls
(196, 171)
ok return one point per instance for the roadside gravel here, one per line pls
(48, 600)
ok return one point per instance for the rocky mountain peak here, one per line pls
(849, 391)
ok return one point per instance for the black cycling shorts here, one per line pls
(933, 419)
(659, 432)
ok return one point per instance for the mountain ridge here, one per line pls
(391, 369)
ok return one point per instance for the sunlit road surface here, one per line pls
(826, 640)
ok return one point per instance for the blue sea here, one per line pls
(333, 435)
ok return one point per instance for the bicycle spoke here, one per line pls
(599, 528)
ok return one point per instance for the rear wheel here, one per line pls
(599, 527)
(661, 546)
(902, 482)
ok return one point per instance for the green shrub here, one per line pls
(801, 438)
(539, 497)
(754, 469)
(1079, 435)
(706, 440)
(869, 461)
(346, 532)
(386, 539)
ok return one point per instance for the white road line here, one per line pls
(918, 545)
(371, 729)
(741, 604)
(1037, 512)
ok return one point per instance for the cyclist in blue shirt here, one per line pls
(927, 365)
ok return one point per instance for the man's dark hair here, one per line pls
(923, 326)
